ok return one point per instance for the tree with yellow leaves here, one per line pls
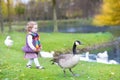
(109, 14)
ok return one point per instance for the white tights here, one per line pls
(35, 61)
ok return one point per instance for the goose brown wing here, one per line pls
(65, 56)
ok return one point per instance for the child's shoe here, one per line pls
(40, 67)
(28, 66)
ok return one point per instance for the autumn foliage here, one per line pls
(109, 14)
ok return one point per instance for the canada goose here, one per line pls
(68, 61)
(8, 42)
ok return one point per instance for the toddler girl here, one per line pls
(33, 46)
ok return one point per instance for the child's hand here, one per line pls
(41, 48)
(37, 50)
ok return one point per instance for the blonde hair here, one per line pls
(30, 25)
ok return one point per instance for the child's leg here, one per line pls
(29, 63)
(37, 63)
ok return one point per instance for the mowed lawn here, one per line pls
(12, 62)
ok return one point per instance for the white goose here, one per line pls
(85, 58)
(112, 62)
(8, 42)
(47, 54)
(102, 57)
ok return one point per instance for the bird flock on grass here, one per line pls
(70, 60)
(101, 57)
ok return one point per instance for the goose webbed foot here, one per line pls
(76, 75)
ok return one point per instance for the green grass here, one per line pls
(12, 63)
(62, 41)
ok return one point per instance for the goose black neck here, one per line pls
(74, 49)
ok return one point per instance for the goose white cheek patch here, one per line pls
(77, 43)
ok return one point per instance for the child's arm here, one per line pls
(30, 44)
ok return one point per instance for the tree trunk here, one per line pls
(1, 18)
(9, 15)
(55, 16)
